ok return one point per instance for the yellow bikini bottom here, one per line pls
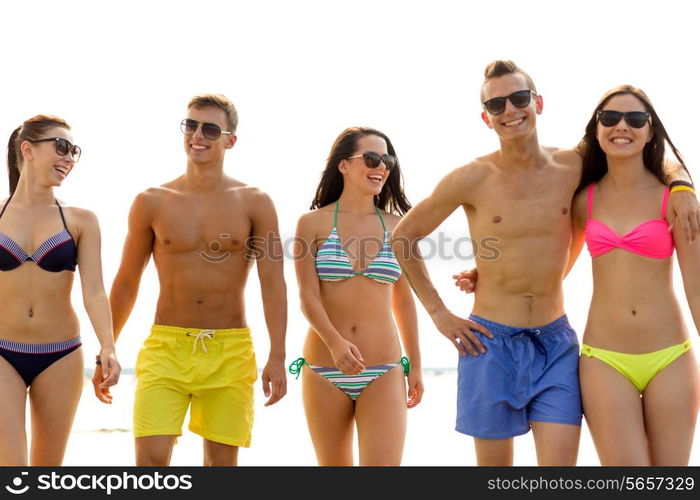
(639, 369)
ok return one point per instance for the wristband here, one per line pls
(677, 188)
(98, 361)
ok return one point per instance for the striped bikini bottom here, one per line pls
(352, 385)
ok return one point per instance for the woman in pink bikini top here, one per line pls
(639, 378)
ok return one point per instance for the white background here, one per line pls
(299, 73)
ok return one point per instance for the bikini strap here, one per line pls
(380, 219)
(590, 199)
(5, 205)
(664, 203)
(335, 214)
(60, 211)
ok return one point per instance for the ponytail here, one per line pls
(13, 159)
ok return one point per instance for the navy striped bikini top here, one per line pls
(332, 263)
(57, 253)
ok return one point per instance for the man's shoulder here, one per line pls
(475, 171)
(154, 195)
(459, 186)
(250, 199)
(248, 194)
(148, 202)
(565, 157)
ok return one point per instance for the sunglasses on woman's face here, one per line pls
(209, 130)
(610, 118)
(372, 159)
(519, 99)
(63, 147)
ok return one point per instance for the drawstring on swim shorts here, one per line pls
(209, 334)
(533, 335)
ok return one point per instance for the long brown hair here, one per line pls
(595, 162)
(391, 199)
(31, 130)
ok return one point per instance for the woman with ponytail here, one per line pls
(41, 242)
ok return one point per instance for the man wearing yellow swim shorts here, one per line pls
(199, 228)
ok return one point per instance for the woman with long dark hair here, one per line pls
(638, 374)
(41, 243)
(351, 290)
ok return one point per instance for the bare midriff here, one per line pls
(633, 308)
(360, 309)
(36, 305)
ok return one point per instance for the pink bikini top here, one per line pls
(651, 238)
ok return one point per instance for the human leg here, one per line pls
(13, 437)
(556, 444)
(54, 396)
(160, 402)
(614, 413)
(670, 411)
(217, 454)
(222, 394)
(494, 452)
(493, 390)
(154, 450)
(380, 413)
(330, 418)
(555, 410)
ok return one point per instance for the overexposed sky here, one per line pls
(299, 73)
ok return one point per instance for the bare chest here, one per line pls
(513, 210)
(210, 227)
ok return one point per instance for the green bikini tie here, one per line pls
(295, 367)
(406, 364)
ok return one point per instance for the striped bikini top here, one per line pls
(332, 264)
(57, 253)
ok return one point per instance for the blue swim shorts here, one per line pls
(526, 374)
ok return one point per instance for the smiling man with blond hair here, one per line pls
(199, 228)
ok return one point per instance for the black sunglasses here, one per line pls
(610, 118)
(372, 159)
(519, 99)
(209, 130)
(63, 147)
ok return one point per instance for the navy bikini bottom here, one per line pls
(29, 360)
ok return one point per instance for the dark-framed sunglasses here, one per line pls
(610, 118)
(372, 159)
(209, 130)
(519, 99)
(63, 147)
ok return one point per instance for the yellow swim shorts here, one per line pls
(213, 370)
